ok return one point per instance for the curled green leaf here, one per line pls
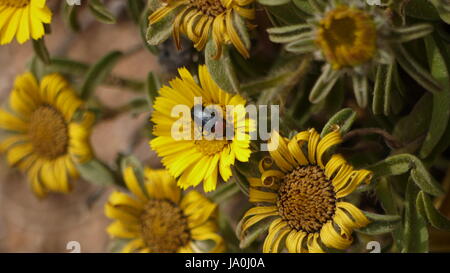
(402, 163)
(380, 224)
(427, 209)
(98, 72)
(101, 12)
(343, 120)
(415, 232)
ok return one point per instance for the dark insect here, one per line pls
(206, 119)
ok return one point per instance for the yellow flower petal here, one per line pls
(132, 183)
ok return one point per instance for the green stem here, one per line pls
(80, 69)
(224, 192)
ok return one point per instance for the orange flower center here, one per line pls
(347, 37)
(210, 147)
(15, 3)
(48, 132)
(164, 227)
(208, 7)
(306, 199)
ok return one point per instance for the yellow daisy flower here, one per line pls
(44, 135)
(23, 19)
(194, 160)
(159, 219)
(302, 195)
(198, 18)
(354, 40)
(347, 37)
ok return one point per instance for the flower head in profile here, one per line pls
(190, 154)
(23, 19)
(347, 37)
(300, 192)
(45, 136)
(159, 219)
(198, 19)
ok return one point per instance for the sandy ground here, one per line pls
(31, 225)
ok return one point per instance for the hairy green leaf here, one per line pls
(98, 72)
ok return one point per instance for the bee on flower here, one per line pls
(190, 155)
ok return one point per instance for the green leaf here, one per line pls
(415, 232)
(135, 8)
(381, 103)
(273, 2)
(426, 208)
(393, 165)
(160, 31)
(443, 8)
(251, 168)
(443, 144)
(402, 163)
(416, 71)
(380, 224)
(41, 50)
(297, 68)
(241, 28)
(100, 12)
(424, 180)
(67, 66)
(143, 26)
(271, 81)
(98, 72)
(224, 192)
(37, 67)
(240, 180)
(318, 5)
(289, 33)
(152, 87)
(303, 45)
(138, 105)
(414, 125)
(361, 90)
(287, 14)
(154, 4)
(96, 173)
(388, 198)
(304, 6)
(422, 9)
(409, 33)
(221, 70)
(438, 54)
(344, 119)
(69, 15)
(249, 236)
(227, 231)
(324, 84)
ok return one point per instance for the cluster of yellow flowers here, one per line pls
(301, 184)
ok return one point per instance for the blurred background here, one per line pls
(31, 225)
